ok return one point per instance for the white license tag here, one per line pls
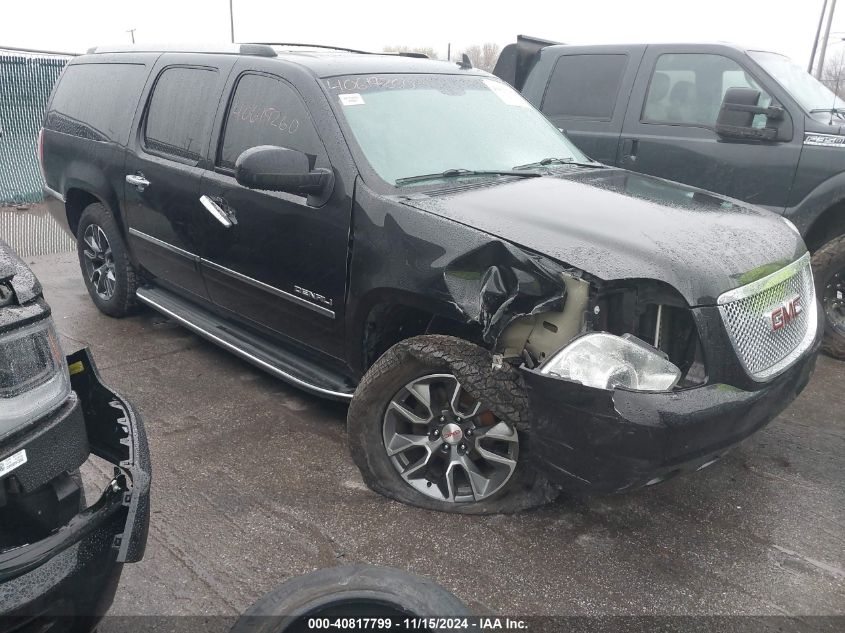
(10, 463)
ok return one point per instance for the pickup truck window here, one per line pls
(181, 111)
(808, 91)
(584, 86)
(688, 89)
(411, 125)
(266, 111)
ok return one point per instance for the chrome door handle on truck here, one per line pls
(137, 180)
(214, 208)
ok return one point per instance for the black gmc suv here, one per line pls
(411, 235)
(60, 557)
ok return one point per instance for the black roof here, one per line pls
(322, 62)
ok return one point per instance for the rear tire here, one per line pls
(829, 273)
(445, 481)
(109, 277)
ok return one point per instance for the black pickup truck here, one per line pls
(744, 123)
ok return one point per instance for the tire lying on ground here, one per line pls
(437, 424)
(829, 273)
(348, 592)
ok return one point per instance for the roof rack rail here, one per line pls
(259, 50)
(333, 48)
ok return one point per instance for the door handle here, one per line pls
(630, 147)
(213, 207)
(137, 180)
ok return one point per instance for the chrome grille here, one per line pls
(748, 316)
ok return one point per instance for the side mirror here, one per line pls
(736, 116)
(272, 168)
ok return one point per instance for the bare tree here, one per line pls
(483, 56)
(833, 74)
(425, 50)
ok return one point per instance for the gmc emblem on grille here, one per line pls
(786, 313)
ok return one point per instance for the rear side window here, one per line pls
(584, 86)
(181, 111)
(97, 101)
(267, 111)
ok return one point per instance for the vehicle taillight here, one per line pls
(41, 154)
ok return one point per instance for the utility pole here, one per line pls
(820, 66)
(232, 22)
(449, 50)
(132, 33)
(816, 41)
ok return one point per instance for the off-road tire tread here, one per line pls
(500, 387)
(124, 301)
(833, 343)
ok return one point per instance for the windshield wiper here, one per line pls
(559, 161)
(460, 172)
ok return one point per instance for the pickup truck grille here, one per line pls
(773, 320)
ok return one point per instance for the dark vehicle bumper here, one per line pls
(67, 580)
(610, 441)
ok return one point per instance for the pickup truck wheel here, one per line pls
(109, 276)
(436, 425)
(829, 272)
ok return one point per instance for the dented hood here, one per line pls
(616, 224)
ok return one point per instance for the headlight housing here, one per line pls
(33, 375)
(607, 361)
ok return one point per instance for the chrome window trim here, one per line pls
(756, 287)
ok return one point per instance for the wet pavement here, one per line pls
(253, 485)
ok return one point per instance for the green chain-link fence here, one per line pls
(26, 80)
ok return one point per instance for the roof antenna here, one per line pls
(465, 63)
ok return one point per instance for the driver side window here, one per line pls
(265, 110)
(688, 88)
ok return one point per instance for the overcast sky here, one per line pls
(786, 26)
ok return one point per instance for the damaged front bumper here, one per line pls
(616, 440)
(73, 572)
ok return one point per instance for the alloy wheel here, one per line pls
(99, 262)
(834, 301)
(446, 444)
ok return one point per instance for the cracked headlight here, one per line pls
(33, 375)
(606, 361)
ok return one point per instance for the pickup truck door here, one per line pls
(669, 126)
(280, 266)
(585, 94)
(162, 176)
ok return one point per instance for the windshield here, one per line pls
(416, 125)
(808, 91)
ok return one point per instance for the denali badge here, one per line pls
(313, 296)
(786, 313)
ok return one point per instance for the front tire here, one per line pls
(829, 273)
(435, 425)
(108, 274)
